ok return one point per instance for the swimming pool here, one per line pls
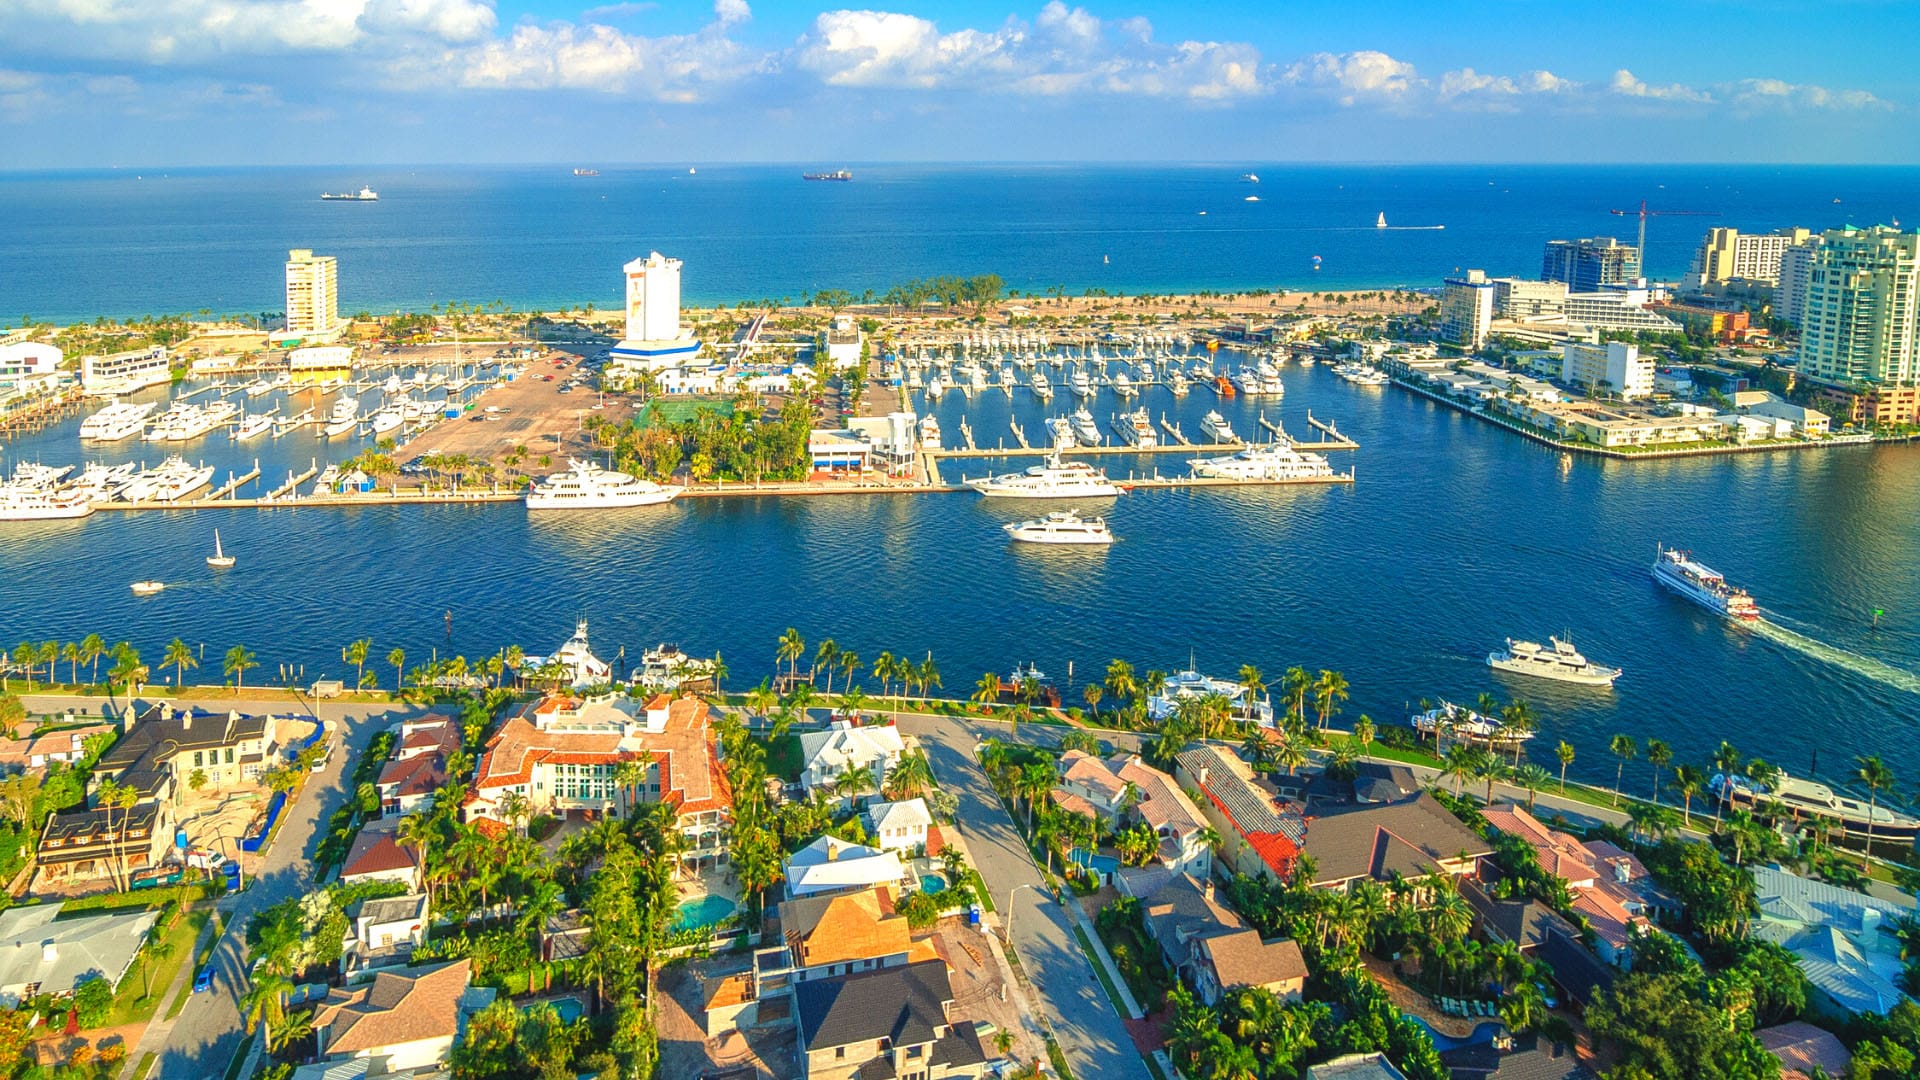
(1099, 864)
(932, 883)
(569, 1008)
(1484, 1033)
(706, 911)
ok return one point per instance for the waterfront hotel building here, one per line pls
(654, 339)
(313, 300)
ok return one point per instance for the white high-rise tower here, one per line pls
(654, 338)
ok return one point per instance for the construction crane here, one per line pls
(1643, 214)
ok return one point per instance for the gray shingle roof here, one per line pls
(905, 1004)
(1252, 810)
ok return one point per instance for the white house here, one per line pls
(827, 755)
(39, 955)
(830, 863)
(386, 930)
(1843, 939)
(900, 826)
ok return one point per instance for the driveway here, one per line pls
(203, 1038)
(1090, 1032)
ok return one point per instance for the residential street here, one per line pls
(1088, 1028)
(208, 1031)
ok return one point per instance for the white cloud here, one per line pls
(1625, 84)
(1778, 93)
(728, 12)
(1353, 77)
(1063, 51)
(675, 68)
(189, 31)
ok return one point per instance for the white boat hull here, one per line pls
(1598, 677)
(1062, 539)
(537, 501)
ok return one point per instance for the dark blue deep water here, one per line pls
(1456, 535)
(122, 242)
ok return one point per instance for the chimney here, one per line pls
(1203, 776)
(49, 952)
(166, 710)
(186, 720)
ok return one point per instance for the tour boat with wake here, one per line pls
(1702, 584)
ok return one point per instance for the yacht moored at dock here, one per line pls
(1056, 479)
(1269, 461)
(115, 422)
(1702, 584)
(1136, 429)
(1460, 723)
(1061, 527)
(1557, 660)
(25, 501)
(1217, 428)
(586, 486)
(169, 481)
(1814, 799)
(344, 418)
(1085, 431)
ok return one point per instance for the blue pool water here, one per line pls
(569, 1008)
(1099, 864)
(932, 883)
(706, 911)
(1483, 1033)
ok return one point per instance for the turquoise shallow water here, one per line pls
(119, 242)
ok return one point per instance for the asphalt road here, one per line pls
(207, 1032)
(1084, 1021)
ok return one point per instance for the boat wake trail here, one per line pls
(1879, 671)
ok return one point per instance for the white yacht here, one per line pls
(1060, 433)
(148, 588)
(1217, 428)
(1123, 384)
(253, 425)
(1557, 660)
(936, 386)
(1702, 584)
(169, 481)
(22, 501)
(182, 422)
(1810, 797)
(1269, 461)
(344, 418)
(586, 486)
(1461, 723)
(1085, 430)
(1081, 383)
(1136, 429)
(1042, 388)
(263, 386)
(116, 421)
(1177, 382)
(1056, 479)
(99, 481)
(929, 433)
(388, 418)
(1192, 684)
(34, 474)
(1061, 527)
(1247, 381)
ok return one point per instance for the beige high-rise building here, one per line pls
(1730, 255)
(1861, 306)
(313, 294)
(1466, 310)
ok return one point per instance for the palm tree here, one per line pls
(1727, 760)
(927, 674)
(1688, 783)
(92, 648)
(295, 1028)
(1873, 774)
(1290, 754)
(1519, 718)
(883, 670)
(789, 650)
(1565, 754)
(987, 690)
(849, 667)
(1533, 777)
(1091, 694)
(1658, 754)
(179, 656)
(761, 701)
(823, 657)
(1626, 750)
(23, 658)
(70, 652)
(1293, 687)
(397, 659)
(265, 1004)
(1459, 765)
(1363, 732)
(854, 701)
(1329, 690)
(239, 661)
(356, 654)
(1256, 685)
(1120, 681)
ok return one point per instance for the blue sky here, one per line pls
(200, 82)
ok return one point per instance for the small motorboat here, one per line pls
(219, 560)
(147, 588)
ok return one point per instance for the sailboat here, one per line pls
(1381, 221)
(219, 560)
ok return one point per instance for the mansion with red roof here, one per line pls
(564, 753)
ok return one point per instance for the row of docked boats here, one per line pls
(50, 492)
(1361, 374)
(1057, 478)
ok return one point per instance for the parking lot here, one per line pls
(543, 410)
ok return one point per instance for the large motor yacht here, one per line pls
(1061, 527)
(1270, 461)
(1557, 660)
(1217, 428)
(586, 486)
(116, 421)
(1055, 479)
(1814, 799)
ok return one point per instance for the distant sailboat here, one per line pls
(1381, 221)
(219, 560)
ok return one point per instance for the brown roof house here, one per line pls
(894, 1022)
(821, 937)
(409, 1018)
(1207, 943)
(376, 855)
(1802, 1048)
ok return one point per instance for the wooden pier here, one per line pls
(293, 482)
(1173, 432)
(234, 482)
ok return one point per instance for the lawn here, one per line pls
(783, 758)
(129, 1006)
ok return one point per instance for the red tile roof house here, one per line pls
(1594, 874)
(376, 855)
(1409, 839)
(562, 753)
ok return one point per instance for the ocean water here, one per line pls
(1455, 536)
(77, 245)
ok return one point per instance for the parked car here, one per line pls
(204, 980)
